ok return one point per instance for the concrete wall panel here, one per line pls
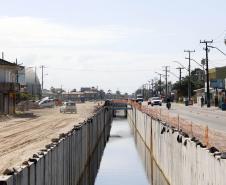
(182, 160)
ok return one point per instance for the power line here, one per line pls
(101, 70)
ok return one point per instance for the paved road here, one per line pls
(213, 117)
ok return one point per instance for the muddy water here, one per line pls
(125, 160)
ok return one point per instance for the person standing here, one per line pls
(202, 101)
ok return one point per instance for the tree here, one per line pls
(197, 82)
(73, 90)
(118, 92)
(102, 94)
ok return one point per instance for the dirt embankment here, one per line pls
(26, 134)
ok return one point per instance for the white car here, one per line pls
(68, 107)
(155, 101)
(46, 102)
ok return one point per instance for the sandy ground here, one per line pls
(25, 135)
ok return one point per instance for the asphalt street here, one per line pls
(213, 117)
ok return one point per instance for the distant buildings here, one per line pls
(9, 86)
(85, 94)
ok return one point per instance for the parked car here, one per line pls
(155, 101)
(46, 102)
(68, 107)
(139, 100)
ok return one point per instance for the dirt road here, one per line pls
(21, 137)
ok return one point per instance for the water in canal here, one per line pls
(124, 161)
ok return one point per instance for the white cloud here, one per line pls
(34, 32)
(77, 56)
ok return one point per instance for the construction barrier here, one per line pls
(182, 159)
(207, 136)
(64, 160)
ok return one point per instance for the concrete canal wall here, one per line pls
(181, 159)
(64, 160)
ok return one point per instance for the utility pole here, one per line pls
(42, 67)
(160, 81)
(17, 74)
(166, 78)
(189, 72)
(152, 87)
(143, 91)
(149, 84)
(206, 42)
(36, 81)
(180, 71)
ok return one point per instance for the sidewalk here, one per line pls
(205, 109)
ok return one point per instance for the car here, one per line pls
(155, 101)
(46, 102)
(139, 100)
(68, 107)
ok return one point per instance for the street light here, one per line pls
(180, 64)
(196, 62)
(217, 49)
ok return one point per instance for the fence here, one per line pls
(207, 136)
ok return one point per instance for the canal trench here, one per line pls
(123, 160)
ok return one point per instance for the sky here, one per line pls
(110, 44)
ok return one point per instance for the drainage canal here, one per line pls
(124, 161)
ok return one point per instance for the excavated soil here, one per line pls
(27, 133)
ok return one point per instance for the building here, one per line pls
(217, 77)
(32, 83)
(72, 96)
(9, 86)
